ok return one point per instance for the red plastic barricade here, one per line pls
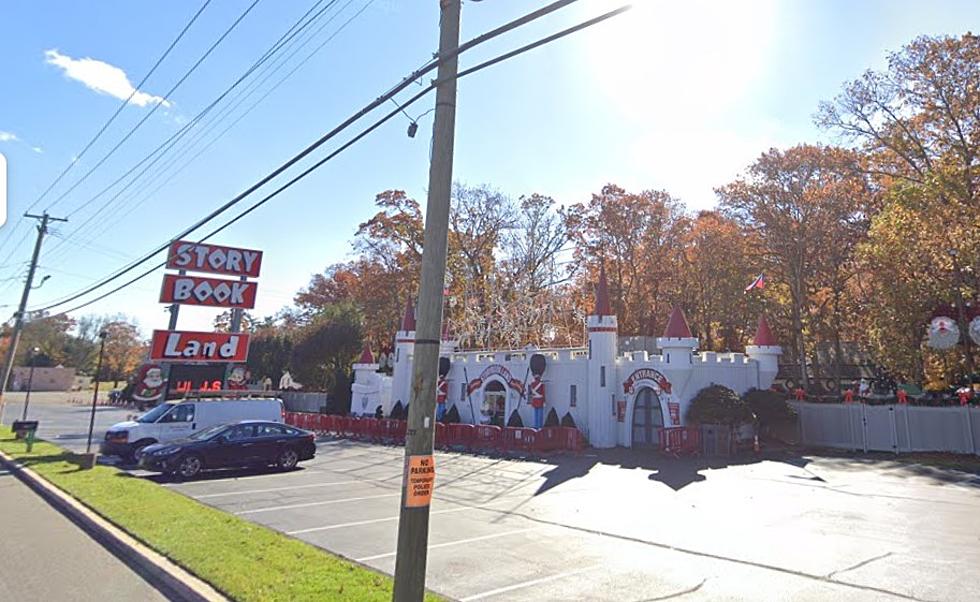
(290, 418)
(680, 440)
(392, 431)
(549, 439)
(371, 429)
(488, 438)
(461, 436)
(518, 440)
(328, 424)
(344, 427)
(442, 435)
(573, 439)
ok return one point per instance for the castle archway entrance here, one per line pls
(648, 419)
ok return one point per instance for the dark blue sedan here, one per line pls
(246, 443)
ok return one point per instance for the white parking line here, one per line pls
(523, 584)
(324, 503)
(457, 542)
(369, 522)
(288, 488)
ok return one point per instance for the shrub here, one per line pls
(769, 407)
(718, 405)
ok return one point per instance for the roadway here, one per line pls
(624, 525)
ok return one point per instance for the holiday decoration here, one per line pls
(943, 333)
(974, 329)
(150, 384)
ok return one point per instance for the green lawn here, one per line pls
(243, 560)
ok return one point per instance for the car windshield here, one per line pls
(208, 433)
(154, 414)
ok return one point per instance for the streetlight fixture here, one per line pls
(95, 397)
(30, 381)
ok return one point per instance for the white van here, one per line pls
(181, 418)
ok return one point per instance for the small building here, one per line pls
(615, 399)
(57, 378)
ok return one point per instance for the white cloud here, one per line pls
(8, 137)
(101, 77)
(37, 149)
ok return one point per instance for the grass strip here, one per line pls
(243, 560)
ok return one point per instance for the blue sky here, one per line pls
(678, 96)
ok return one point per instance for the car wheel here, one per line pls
(189, 466)
(134, 455)
(287, 459)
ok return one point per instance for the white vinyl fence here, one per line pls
(894, 428)
(301, 401)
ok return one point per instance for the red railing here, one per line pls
(468, 437)
(680, 440)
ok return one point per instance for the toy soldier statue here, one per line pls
(442, 388)
(537, 367)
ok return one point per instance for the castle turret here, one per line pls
(365, 393)
(603, 331)
(766, 351)
(677, 345)
(404, 350)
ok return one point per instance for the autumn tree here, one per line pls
(324, 350)
(916, 123)
(125, 349)
(638, 236)
(800, 204)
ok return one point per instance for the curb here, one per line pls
(172, 580)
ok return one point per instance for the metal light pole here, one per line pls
(30, 381)
(95, 394)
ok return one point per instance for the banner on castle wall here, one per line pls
(621, 410)
(674, 409)
(648, 374)
(499, 371)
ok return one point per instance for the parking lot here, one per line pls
(622, 525)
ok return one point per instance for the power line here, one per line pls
(122, 106)
(319, 163)
(170, 142)
(270, 68)
(173, 89)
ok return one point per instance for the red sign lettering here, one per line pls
(212, 292)
(185, 346)
(214, 259)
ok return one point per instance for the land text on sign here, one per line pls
(215, 259)
(189, 346)
(213, 292)
(421, 473)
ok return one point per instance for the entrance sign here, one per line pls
(214, 259)
(420, 478)
(186, 346)
(211, 292)
(646, 374)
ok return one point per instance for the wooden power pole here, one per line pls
(419, 476)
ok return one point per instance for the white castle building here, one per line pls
(615, 400)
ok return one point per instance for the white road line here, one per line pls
(523, 584)
(369, 522)
(457, 542)
(324, 503)
(287, 488)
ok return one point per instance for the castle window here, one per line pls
(590, 348)
(602, 376)
(573, 395)
(398, 354)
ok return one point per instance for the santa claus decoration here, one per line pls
(150, 384)
(943, 333)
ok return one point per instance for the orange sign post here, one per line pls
(421, 477)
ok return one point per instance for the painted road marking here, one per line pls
(523, 584)
(368, 522)
(324, 503)
(457, 542)
(288, 488)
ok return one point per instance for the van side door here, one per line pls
(177, 423)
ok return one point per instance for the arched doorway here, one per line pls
(495, 402)
(648, 420)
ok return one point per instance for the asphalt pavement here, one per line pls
(624, 525)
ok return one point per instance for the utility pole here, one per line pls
(413, 523)
(8, 366)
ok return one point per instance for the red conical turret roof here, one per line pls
(366, 356)
(408, 321)
(677, 327)
(763, 335)
(602, 307)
